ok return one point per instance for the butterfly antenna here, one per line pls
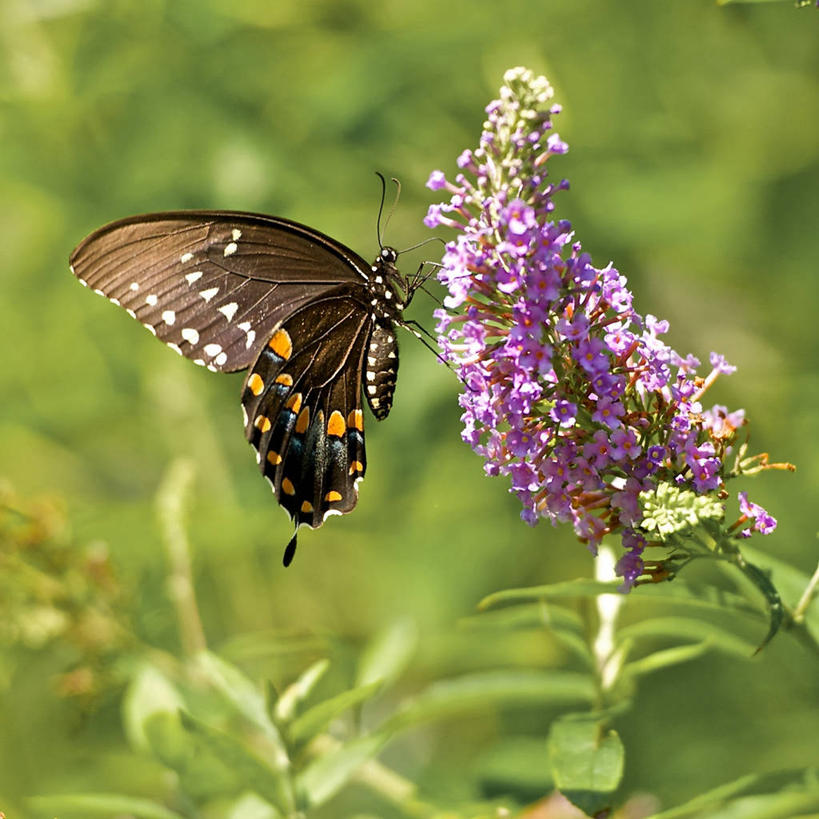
(395, 201)
(381, 209)
(421, 244)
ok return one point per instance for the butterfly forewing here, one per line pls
(213, 284)
(302, 400)
(230, 290)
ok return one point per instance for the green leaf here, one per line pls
(689, 629)
(148, 693)
(101, 804)
(327, 774)
(247, 699)
(298, 691)
(257, 774)
(776, 610)
(755, 796)
(791, 583)
(250, 806)
(565, 626)
(735, 2)
(680, 593)
(169, 741)
(388, 653)
(665, 658)
(317, 718)
(522, 615)
(587, 762)
(479, 690)
(580, 587)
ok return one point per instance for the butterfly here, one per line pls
(312, 322)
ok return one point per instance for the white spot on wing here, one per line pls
(213, 349)
(151, 300)
(244, 415)
(237, 234)
(229, 310)
(207, 295)
(199, 362)
(220, 359)
(115, 301)
(185, 257)
(99, 292)
(175, 348)
(194, 277)
(168, 316)
(370, 375)
(134, 286)
(83, 282)
(371, 388)
(251, 337)
(150, 328)
(130, 312)
(190, 335)
(231, 249)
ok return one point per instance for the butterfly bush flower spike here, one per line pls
(569, 391)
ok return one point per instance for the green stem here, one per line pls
(608, 658)
(801, 609)
(170, 502)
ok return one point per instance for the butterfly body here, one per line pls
(313, 322)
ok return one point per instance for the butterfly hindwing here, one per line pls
(213, 284)
(302, 399)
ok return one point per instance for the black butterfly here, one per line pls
(314, 322)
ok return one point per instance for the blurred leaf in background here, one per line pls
(694, 165)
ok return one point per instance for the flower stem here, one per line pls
(805, 600)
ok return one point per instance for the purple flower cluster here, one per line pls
(568, 389)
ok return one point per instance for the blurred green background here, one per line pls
(694, 163)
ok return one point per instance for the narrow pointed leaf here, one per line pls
(754, 796)
(257, 774)
(689, 629)
(480, 690)
(663, 659)
(247, 698)
(101, 804)
(388, 654)
(317, 718)
(330, 772)
(776, 611)
(298, 691)
(569, 588)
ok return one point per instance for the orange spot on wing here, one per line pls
(303, 421)
(255, 384)
(281, 344)
(294, 402)
(274, 458)
(356, 420)
(262, 423)
(307, 507)
(356, 466)
(287, 487)
(285, 378)
(336, 425)
(332, 496)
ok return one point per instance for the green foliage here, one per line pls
(587, 762)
